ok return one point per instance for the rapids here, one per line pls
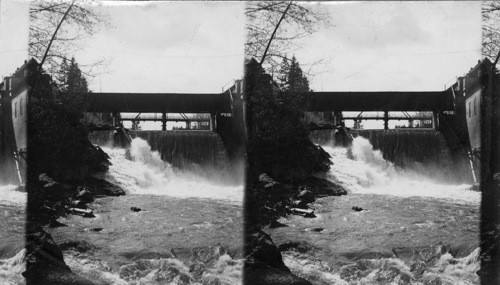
(412, 229)
(12, 209)
(188, 232)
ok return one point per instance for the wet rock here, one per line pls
(275, 224)
(357, 209)
(96, 229)
(321, 187)
(102, 187)
(305, 195)
(317, 229)
(84, 195)
(45, 263)
(86, 213)
(261, 250)
(78, 204)
(299, 204)
(135, 209)
(306, 213)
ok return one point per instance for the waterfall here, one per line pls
(424, 151)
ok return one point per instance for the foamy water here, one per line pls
(11, 269)
(145, 173)
(446, 270)
(225, 271)
(362, 169)
(10, 196)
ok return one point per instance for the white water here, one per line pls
(364, 170)
(10, 201)
(11, 269)
(146, 173)
(10, 196)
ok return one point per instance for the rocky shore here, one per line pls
(267, 200)
(50, 199)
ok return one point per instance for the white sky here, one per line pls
(394, 46)
(198, 46)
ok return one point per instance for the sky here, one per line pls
(198, 46)
(393, 46)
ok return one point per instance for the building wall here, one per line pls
(20, 118)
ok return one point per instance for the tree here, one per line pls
(82, 21)
(278, 138)
(274, 28)
(490, 13)
(71, 79)
(292, 77)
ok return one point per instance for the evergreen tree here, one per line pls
(278, 142)
(291, 78)
(71, 79)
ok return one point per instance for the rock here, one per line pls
(86, 213)
(321, 187)
(45, 263)
(317, 229)
(299, 204)
(84, 195)
(306, 213)
(275, 224)
(79, 204)
(135, 209)
(260, 249)
(102, 187)
(306, 195)
(357, 209)
(96, 229)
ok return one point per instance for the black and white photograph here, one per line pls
(249, 142)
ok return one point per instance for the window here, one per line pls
(470, 109)
(15, 110)
(475, 111)
(21, 107)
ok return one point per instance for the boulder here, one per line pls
(102, 187)
(357, 209)
(305, 195)
(260, 249)
(321, 187)
(84, 195)
(299, 204)
(45, 263)
(135, 209)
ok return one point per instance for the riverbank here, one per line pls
(394, 225)
(171, 226)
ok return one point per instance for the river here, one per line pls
(411, 230)
(188, 229)
(12, 221)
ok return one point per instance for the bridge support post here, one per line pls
(337, 117)
(410, 123)
(435, 120)
(213, 122)
(164, 121)
(188, 125)
(116, 119)
(386, 120)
